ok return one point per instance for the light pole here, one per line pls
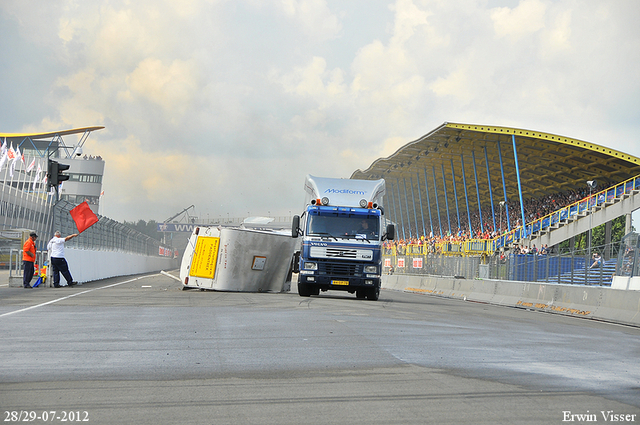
(501, 206)
(592, 185)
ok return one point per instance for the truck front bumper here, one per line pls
(340, 283)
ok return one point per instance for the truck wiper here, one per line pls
(358, 237)
(323, 234)
(365, 238)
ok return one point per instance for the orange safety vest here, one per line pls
(29, 246)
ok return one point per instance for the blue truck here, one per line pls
(342, 230)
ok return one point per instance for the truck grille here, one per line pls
(341, 253)
(336, 269)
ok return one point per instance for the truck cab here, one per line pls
(341, 243)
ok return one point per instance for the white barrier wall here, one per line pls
(596, 302)
(623, 282)
(87, 265)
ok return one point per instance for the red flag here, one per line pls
(83, 217)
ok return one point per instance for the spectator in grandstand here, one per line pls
(29, 258)
(597, 261)
(534, 209)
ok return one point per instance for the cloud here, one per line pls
(228, 104)
(312, 17)
(173, 87)
(526, 18)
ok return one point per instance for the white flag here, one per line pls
(17, 158)
(3, 158)
(11, 155)
(36, 179)
(31, 165)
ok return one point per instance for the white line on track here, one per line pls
(75, 295)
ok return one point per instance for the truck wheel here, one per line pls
(296, 262)
(373, 294)
(303, 289)
(361, 294)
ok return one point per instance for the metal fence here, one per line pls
(431, 264)
(628, 263)
(570, 266)
(106, 235)
(574, 267)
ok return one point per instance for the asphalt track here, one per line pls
(140, 350)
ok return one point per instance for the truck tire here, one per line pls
(361, 294)
(303, 289)
(296, 262)
(373, 294)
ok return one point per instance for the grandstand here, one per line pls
(486, 191)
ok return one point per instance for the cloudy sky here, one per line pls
(228, 104)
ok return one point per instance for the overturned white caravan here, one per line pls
(237, 260)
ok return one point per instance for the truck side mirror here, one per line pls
(391, 232)
(295, 226)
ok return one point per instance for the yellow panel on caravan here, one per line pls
(205, 257)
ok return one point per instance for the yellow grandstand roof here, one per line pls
(50, 133)
(548, 164)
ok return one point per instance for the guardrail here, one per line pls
(15, 262)
(472, 247)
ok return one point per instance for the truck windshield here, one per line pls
(338, 226)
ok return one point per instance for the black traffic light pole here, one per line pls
(55, 176)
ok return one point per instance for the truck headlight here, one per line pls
(310, 266)
(371, 269)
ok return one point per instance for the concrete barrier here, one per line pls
(483, 290)
(601, 303)
(87, 265)
(620, 306)
(507, 293)
(625, 282)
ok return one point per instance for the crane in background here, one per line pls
(181, 212)
(189, 220)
